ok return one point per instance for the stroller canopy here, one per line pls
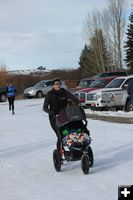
(70, 114)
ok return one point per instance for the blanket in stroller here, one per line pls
(76, 138)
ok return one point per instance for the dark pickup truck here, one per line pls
(2, 94)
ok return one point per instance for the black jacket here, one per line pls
(55, 101)
(130, 88)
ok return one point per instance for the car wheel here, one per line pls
(3, 98)
(39, 94)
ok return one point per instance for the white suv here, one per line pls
(113, 95)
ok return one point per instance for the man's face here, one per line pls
(57, 86)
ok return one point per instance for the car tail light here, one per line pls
(82, 100)
(93, 104)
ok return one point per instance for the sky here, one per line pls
(43, 32)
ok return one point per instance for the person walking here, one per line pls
(130, 90)
(56, 100)
(11, 90)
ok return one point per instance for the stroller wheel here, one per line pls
(85, 164)
(91, 157)
(57, 160)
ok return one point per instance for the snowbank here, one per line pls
(111, 113)
(26, 167)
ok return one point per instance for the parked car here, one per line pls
(97, 84)
(84, 83)
(107, 74)
(113, 95)
(40, 89)
(2, 94)
(118, 98)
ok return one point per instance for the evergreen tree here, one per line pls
(129, 44)
(101, 55)
(87, 67)
(95, 58)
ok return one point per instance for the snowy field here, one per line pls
(26, 166)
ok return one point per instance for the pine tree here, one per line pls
(99, 46)
(129, 44)
(87, 67)
(95, 58)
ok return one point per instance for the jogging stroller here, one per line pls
(75, 139)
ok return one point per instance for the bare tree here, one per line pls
(94, 28)
(93, 22)
(115, 23)
(111, 21)
(3, 75)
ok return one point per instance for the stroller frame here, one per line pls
(73, 117)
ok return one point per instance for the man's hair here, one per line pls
(55, 80)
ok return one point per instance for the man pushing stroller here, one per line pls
(70, 126)
(56, 100)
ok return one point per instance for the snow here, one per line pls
(26, 166)
(111, 113)
(28, 72)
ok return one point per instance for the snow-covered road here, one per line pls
(26, 166)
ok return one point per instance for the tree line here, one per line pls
(71, 77)
(104, 48)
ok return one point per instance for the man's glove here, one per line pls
(51, 113)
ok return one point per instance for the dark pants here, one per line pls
(132, 100)
(53, 125)
(11, 103)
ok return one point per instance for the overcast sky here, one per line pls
(43, 32)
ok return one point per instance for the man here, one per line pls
(130, 90)
(56, 100)
(11, 96)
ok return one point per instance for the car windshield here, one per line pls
(101, 75)
(97, 75)
(98, 84)
(116, 83)
(39, 84)
(85, 83)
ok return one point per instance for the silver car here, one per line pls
(40, 89)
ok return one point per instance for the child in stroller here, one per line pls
(76, 140)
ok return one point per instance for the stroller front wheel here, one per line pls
(85, 164)
(91, 157)
(57, 160)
